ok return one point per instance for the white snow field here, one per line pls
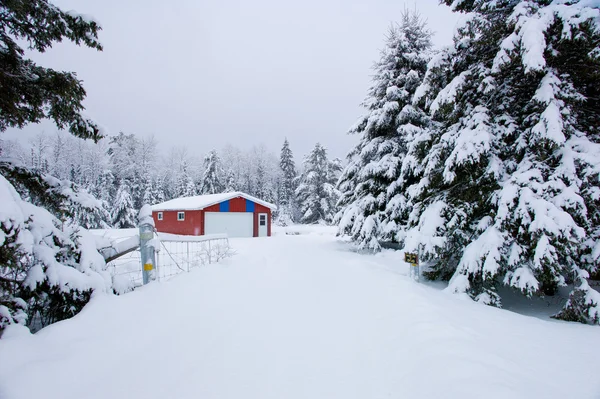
(299, 316)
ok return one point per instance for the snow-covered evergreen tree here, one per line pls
(230, 183)
(136, 188)
(123, 152)
(287, 187)
(30, 91)
(102, 189)
(149, 192)
(41, 249)
(508, 192)
(373, 183)
(80, 207)
(235, 163)
(185, 183)
(260, 187)
(316, 192)
(153, 193)
(124, 214)
(158, 193)
(213, 174)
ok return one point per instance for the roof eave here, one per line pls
(234, 195)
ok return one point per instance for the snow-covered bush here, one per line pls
(48, 269)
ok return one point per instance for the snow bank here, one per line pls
(299, 317)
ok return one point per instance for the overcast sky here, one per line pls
(202, 74)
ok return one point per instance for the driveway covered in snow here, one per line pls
(299, 317)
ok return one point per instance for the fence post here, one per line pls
(188, 255)
(209, 256)
(157, 251)
(147, 252)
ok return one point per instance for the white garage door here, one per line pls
(235, 224)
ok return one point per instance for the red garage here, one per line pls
(237, 214)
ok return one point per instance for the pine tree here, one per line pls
(153, 193)
(104, 186)
(260, 187)
(509, 186)
(316, 192)
(124, 215)
(185, 183)
(80, 207)
(372, 185)
(211, 179)
(230, 183)
(158, 193)
(123, 152)
(149, 192)
(289, 174)
(287, 187)
(30, 92)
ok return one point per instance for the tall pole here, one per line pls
(147, 252)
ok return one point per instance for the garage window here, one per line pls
(180, 215)
(159, 216)
(262, 220)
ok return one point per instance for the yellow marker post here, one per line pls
(413, 259)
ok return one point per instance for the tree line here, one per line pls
(123, 172)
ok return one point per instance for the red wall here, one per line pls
(262, 209)
(235, 205)
(193, 225)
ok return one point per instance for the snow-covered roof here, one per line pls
(198, 202)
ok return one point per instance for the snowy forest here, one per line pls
(482, 157)
(120, 173)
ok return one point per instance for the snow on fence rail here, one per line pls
(117, 249)
(174, 254)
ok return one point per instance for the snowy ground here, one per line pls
(299, 316)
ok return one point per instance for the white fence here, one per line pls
(174, 254)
